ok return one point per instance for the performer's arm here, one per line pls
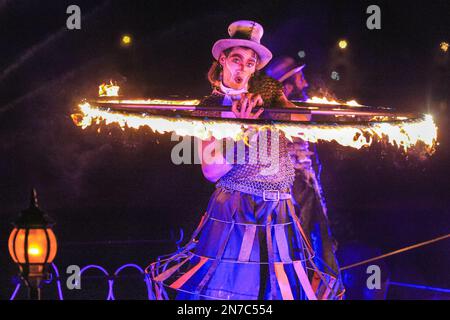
(214, 164)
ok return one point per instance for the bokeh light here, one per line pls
(343, 44)
(126, 40)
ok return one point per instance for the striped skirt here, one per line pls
(244, 248)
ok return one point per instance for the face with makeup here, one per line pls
(238, 66)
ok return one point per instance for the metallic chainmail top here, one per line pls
(266, 166)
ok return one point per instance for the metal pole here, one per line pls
(302, 108)
(34, 293)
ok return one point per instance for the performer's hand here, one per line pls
(243, 108)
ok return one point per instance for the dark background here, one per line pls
(122, 186)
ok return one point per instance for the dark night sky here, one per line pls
(123, 186)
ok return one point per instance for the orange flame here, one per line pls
(324, 100)
(108, 90)
(404, 134)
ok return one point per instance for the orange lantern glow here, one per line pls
(32, 245)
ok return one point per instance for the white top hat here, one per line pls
(244, 33)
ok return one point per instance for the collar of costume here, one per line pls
(230, 91)
(230, 94)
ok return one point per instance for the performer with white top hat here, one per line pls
(250, 243)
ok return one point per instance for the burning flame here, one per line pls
(353, 103)
(403, 134)
(324, 100)
(108, 90)
(34, 251)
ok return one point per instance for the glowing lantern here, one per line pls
(32, 245)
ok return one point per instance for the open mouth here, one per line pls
(238, 79)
